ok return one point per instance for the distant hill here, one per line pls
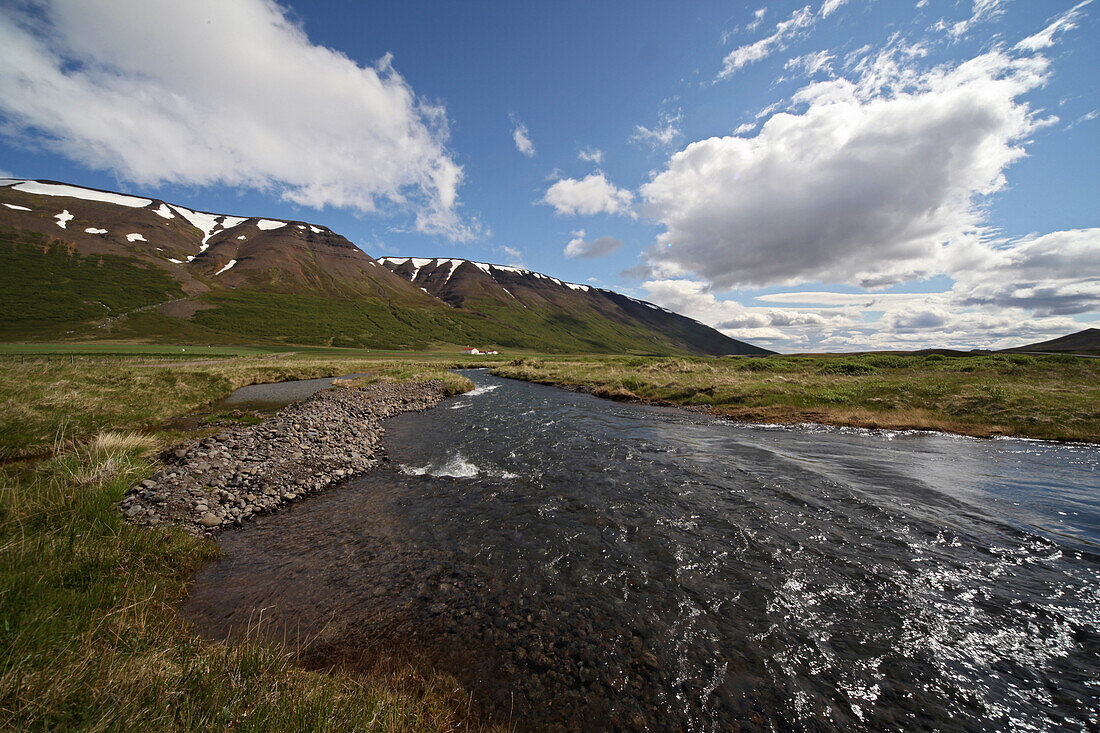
(522, 297)
(79, 263)
(1082, 342)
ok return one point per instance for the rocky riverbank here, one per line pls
(306, 447)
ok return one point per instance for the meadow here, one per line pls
(89, 636)
(1053, 397)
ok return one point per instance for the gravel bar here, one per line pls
(307, 446)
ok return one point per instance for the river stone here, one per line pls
(304, 447)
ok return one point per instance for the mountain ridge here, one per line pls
(484, 286)
(200, 276)
(1086, 341)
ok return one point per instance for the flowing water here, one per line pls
(586, 565)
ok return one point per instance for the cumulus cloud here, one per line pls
(579, 247)
(785, 30)
(661, 135)
(1020, 291)
(877, 180)
(1045, 38)
(695, 300)
(522, 138)
(591, 155)
(216, 92)
(1052, 274)
(819, 320)
(593, 194)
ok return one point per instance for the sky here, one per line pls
(835, 175)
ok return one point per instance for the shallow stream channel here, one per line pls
(581, 564)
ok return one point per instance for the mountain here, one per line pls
(1082, 342)
(81, 263)
(513, 293)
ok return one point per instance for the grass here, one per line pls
(89, 635)
(37, 402)
(59, 287)
(1052, 397)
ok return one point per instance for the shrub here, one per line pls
(853, 368)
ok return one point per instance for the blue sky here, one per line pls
(833, 175)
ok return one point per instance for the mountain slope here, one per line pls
(1081, 342)
(513, 294)
(79, 263)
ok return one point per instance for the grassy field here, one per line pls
(89, 636)
(1054, 397)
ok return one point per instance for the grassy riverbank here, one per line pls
(1052, 397)
(89, 636)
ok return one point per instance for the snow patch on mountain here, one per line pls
(268, 224)
(205, 223)
(135, 237)
(63, 218)
(228, 266)
(75, 192)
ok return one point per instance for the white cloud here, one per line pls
(593, 194)
(1045, 38)
(662, 135)
(752, 52)
(745, 127)
(810, 63)
(1022, 291)
(214, 92)
(877, 180)
(982, 11)
(757, 19)
(1087, 117)
(579, 247)
(830, 6)
(1052, 274)
(513, 256)
(854, 321)
(591, 155)
(522, 138)
(773, 325)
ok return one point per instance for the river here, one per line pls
(581, 564)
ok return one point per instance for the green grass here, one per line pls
(59, 288)
(123, 349)
(89, 635)
(38, 402)
(1055, 397)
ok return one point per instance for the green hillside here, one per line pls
(48, 292)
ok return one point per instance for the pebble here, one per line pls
(248, 470)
